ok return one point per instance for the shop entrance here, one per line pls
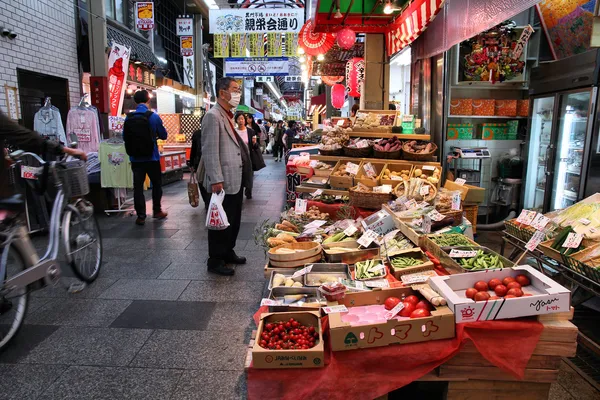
(34, 88)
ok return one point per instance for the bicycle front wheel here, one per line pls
(13, 304)
(82, 241)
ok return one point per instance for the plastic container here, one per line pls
(333, 291)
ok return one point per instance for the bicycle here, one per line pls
(21, 270)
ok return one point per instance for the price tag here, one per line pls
(352, 168)
(370, 170)
(592, 230)
(462, 253)
(377, 268)
(338, 197)
(428, 168)
(401, 199)
(335, 309)
(367, 238)
(435, 215)
(410, 279)
(585, 221)
(300, 207)
(424, 191)
(456, 201)
(351, 230)
(363, 187)
(28, 172)
(422, 204)
(539, 222)
(526, 217)
(573, 240)
(313, 163)
(396, 178)
(270, 302)
(302, 271)
(411, 204)
(377, 283)
(392, 313)
(340, 122)
(382, 189)
(460, 181)
(317, 192)
(317, 223)
(537, 238)
(363, 143)
(426, 224)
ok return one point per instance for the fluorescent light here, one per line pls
(320, 57)
(300, 50)
(302, 59)
(211, 4)
(387, 9)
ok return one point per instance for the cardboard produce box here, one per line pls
(547, 296)
(440, 325)
(469, 194)
(341, 182)
(416, 253)
(311, 358)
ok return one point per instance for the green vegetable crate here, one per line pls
(400, 264)
(502, 261)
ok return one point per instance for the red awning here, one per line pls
(411, 23)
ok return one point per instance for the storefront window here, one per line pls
(115, 9)
(400, 81)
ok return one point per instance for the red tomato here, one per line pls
(513, 285)
(523, 280)
(424, 305)
(510, 296)
(481, 296)
(494, 298)
(500, 290)
(515, 292)
(407, 310)
(420, 313)
(481, 286)
(412, 299)
(508, 280)
(470, 293)
(391, 302)
(494, 282)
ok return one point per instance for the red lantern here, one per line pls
(338, 95)
(332, 80)
(346, 38)
(355, 75)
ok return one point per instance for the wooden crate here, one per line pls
(497, 390)
(471, 211)
(343, 182)
(363, 178)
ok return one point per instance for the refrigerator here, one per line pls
(562, 149)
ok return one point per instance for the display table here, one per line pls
(484, 357)
(187, 148)
(171, 166)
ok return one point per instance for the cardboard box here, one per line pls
(440, 325)
(461, 107)
(341, 182)
(460, 131)
(484, 107)
(523, 108)
(548, 296)
(494, 131)
(469, 194)
(506, 108)
(311, 358)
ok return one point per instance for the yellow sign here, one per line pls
(255, 44)
(291, 44)
(238, 45)
(221, 45)
(187, 45)
(274, 44)
(144, 16)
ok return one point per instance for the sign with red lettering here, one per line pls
(118, 63)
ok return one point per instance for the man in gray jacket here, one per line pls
(227, 167)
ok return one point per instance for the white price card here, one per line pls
(377, 283)
(540, 221)
(426, 227)
(460, 181)
(428, 168)
(270, 302)
(28, 172)
(435, 215)
(526, 217)
(300, 206)
(335, 309)
(382, 189)
(396, 178)
(302, 271)
(351, 230)
(392, 313)
(410, 204)
(367, 238)
(424, 191)
(317, 223)
(585, 221)
(317, 192)
(537, 238)
(363, 143)
(370, 170)
(377, 268)
(573, 240)
(340, 122)
(313, 163)
(454, 253)
(456, 201)
(420, 277)
(352, 168)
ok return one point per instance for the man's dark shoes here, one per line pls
(140, 221)
(219, 267)
(235, 259)
(160, 215)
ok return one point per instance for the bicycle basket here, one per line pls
(73, 175)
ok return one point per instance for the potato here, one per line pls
(289, 282)
(417, 173)
(297, 284)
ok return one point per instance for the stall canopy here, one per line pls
(245, 109)
(411, 24)
(318, 104)
(365, 16)
(459, 20)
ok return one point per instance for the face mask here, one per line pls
(235, 99)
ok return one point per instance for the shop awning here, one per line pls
(364, 16)
(246, 109)
(411, 24)
(139, 48)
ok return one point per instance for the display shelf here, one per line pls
(484, 117)
(387, 135)
(331, 192)
(516, 85)
(376, 160)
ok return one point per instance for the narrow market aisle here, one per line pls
(155, 324)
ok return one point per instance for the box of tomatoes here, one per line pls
(515, 292)
(289, 340)
(385, 317)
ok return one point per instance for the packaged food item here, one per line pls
(333, 291)
(443, 200)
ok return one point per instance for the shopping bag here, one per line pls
(193, 194)
(216, 219)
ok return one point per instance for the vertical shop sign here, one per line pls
(187, 45)
(144, 15)
(238, 45)
(291, 44)
(255, 45)
(221, 46)
(118, 63)
(184, 26)
(274, 44)
(188, 71)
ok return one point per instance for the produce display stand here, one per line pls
(172, 165)
(386, 135)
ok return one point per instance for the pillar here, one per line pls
(199, 61)
(376, 86)
(98, 44)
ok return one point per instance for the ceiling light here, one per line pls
(137, 62)
(320, 57)
(388, 9)
(300, 50)
(211, 4)
(162, 60)
(150, 95)
(302, 59)
(303, 67)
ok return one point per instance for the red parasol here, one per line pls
(314, 43)
(332, 80)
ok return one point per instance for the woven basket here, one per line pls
(358, 153)
(419, 156)
(336, 152)
(388, 155)
(370, 200)
(399, 191)
(456, 214)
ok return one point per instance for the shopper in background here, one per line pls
(355, 109)
(250, 138)
(195, 157)
(263, 135)
(271, 133)
(141, 130)
(278, 145)
(288, 138)
(228, 168)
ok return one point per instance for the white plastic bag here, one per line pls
(216, 219)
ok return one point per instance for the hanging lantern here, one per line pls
(332, 80)
(338, 95)
(314, 43)
(346, 38)
(355, 75)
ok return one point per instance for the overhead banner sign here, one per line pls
(184, 26)
(221, 46)
(187, 45)
(238, 45)
(291, 44)
(265, 79)
(188, 71)
(256, 66)
(295, 78)
(253, 20)
(144, 15)
(274, 44)
(255, 44)
(118, 65)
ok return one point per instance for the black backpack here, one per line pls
(138, 135)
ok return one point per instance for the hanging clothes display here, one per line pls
(115, 167)
(84, 123)
(47, 122)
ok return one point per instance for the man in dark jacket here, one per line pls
(195, 157)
